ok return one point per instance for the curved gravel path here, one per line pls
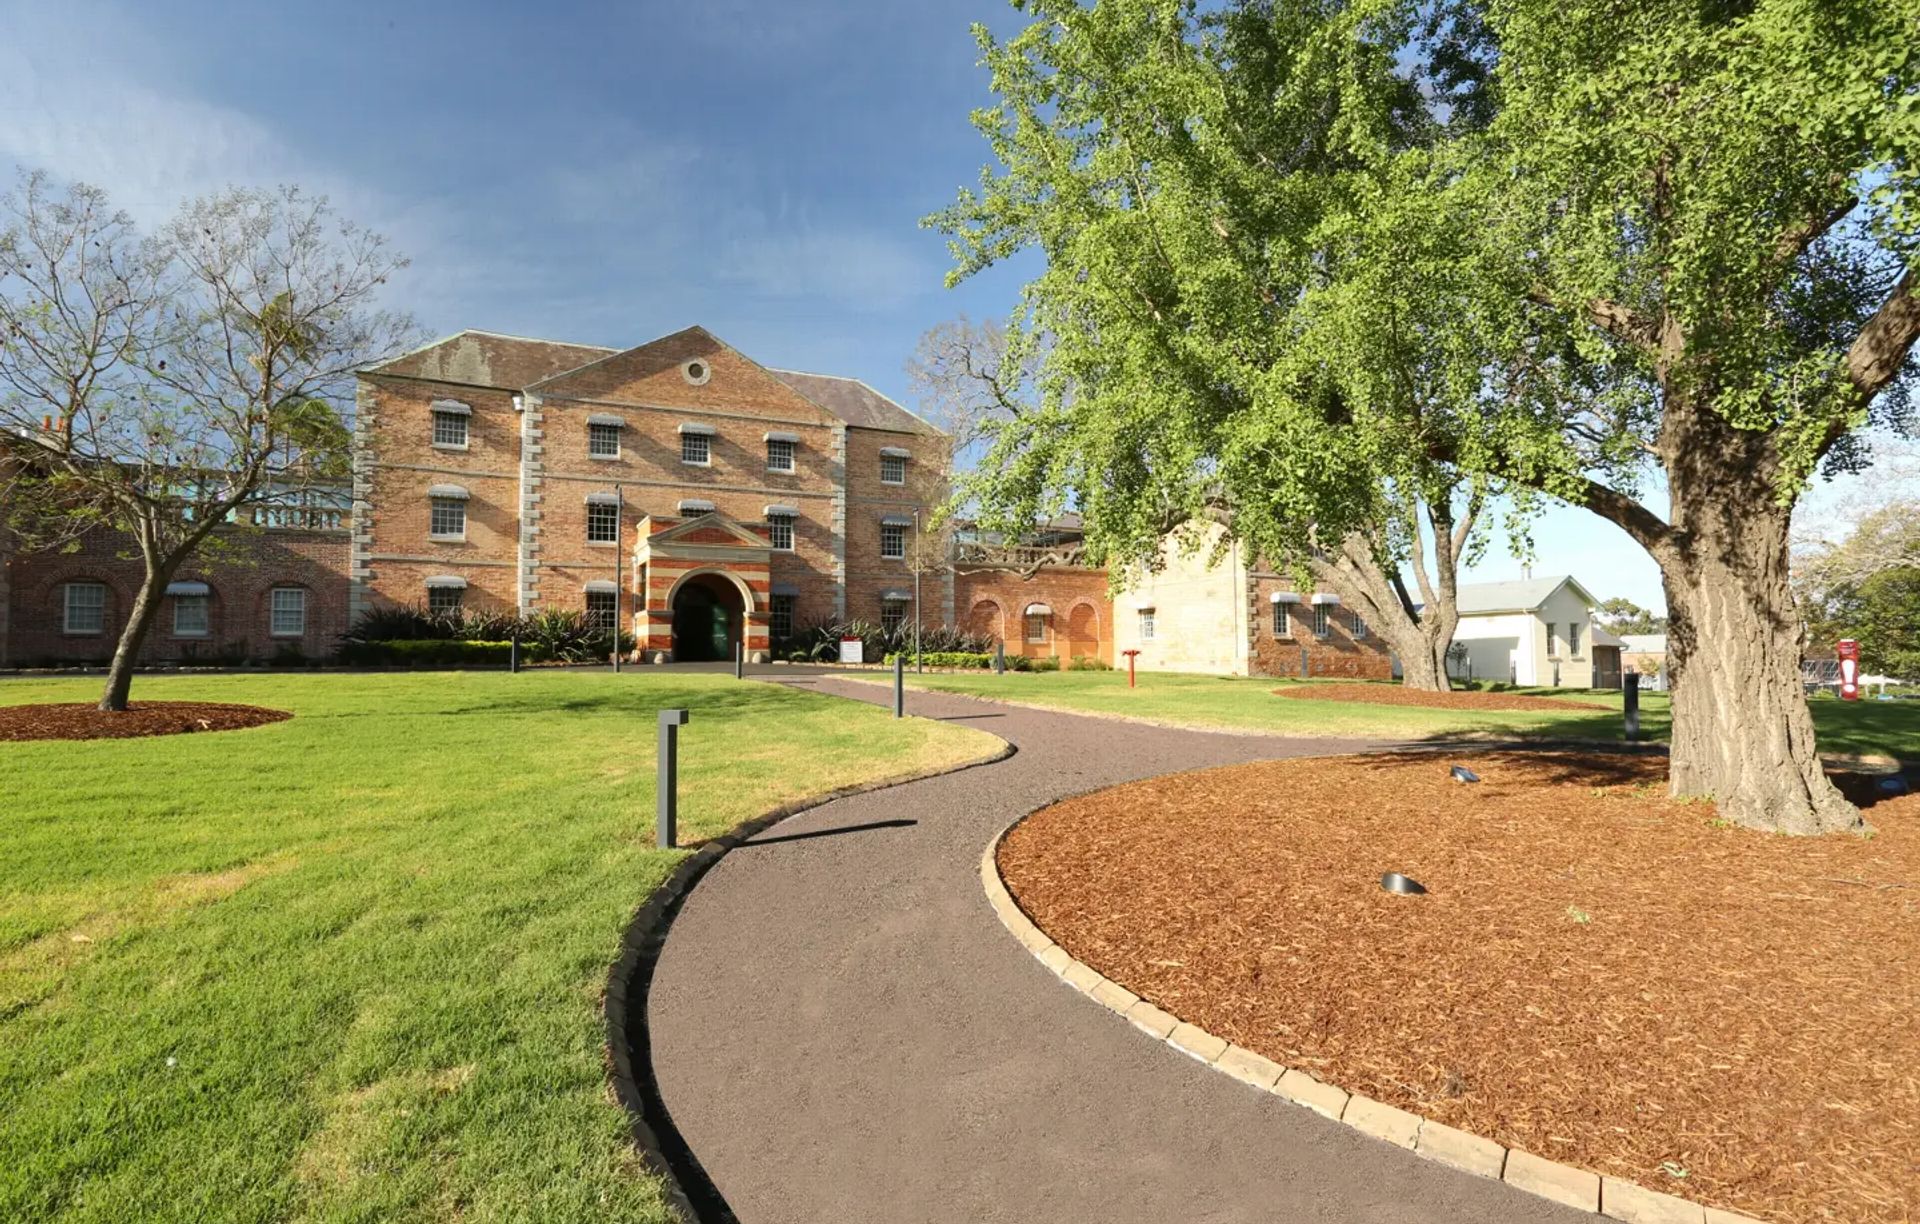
(843, 1031)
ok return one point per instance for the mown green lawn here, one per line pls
(349, 966)
(1241, 704)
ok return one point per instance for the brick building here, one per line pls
(712, 500)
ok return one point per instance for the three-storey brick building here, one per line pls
(702, 499)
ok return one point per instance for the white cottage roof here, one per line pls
(1525, 595)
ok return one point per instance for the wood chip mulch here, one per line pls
(1599, 974)
(81, 721)
(1399, 695)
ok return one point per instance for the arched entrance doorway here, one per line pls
(707, 617)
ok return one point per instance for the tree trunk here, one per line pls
(1423, 662)
(1742, 732)
(146, 605)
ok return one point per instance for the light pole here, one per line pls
(619, 585)
(919, 561)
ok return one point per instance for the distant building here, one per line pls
(1645, 653)
(1536, 631)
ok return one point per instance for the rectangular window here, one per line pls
(1573, 638)
(449, 519)
(1280, 626)
(603, 522)
(782, 525)
(1146, 624)
(1320, 625)
(444, 601)
(893, 541)
(1036, 626)
(1359, 628)
(780, 618)
(450, 429)
(189, 616)
(603, 441)
(893, 614)
(286, 612)
(600, 609)
(893, 469)
(86, 607)
(779, 455)
(1553, 645)
(696, 448)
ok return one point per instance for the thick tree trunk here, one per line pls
(1742, 732)
(1423, 662)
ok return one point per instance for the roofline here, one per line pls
(869, 386)
(612, 353)
(1565, 580)
(474, 331)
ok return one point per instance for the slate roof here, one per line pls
(1486, 598)
(489, 359)
(853, 402)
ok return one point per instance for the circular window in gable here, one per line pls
(696, 372)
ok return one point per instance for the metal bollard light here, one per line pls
(1630, 703)
(513, 655)
(899, 686)
(666, 777)
(999, 658)
(739, 660)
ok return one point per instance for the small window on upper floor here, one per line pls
(1146, 624)
(447, 518)
(603, 441)
(779, 455)
(893, 469)
(603, 522)
(782, 533)
(696, 448)
(450, 419)
(893, 541)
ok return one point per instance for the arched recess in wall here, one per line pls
(1083, 630)
(986, 618)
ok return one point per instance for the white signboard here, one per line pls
(852, 650)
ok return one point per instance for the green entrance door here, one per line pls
(702, 625)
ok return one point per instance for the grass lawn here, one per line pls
(1239, 704)
(349, 966)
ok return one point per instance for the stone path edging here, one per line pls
(1560, 1183)
(688, 1192)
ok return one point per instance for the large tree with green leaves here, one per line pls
(1298, 249)
(163, 385)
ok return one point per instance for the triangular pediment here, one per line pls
(689, 369)
(710, 530)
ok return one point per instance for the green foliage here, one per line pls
(427, 652)
(945, 658)
(820, 643)
(557, 634)
(1625, 616)
(1882, 613)
(1090, 663)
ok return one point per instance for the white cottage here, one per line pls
(1534, 631)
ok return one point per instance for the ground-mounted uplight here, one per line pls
(1460, 773)
(1405, 886)
(1895, 785)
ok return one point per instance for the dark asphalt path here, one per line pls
(842, 1030)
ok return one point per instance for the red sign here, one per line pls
(1849, 652)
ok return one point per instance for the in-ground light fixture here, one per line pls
(1405, 886)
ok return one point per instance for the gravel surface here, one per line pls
(843, 1031)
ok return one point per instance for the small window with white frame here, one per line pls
(1573, 639)
(86, 607)
(1359, 628)
(1282, 624)
(893, 614)
(190, 615)
(893, 541)
(1553, 642)
(893, 469)
(781, 532)
(602, 609)
(696, 448)
(287, 612)
(603, 440)
(603, 523)
(780, 617)
(1146, 624)
(450, 426)
(1322, 623)
(780, 454)
(447, 518)
(1036, 626)
(444, 600)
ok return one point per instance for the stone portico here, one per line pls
(707, 587)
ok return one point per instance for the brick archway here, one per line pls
(987, 618)
(1083, 631)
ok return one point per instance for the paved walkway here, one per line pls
(842, 1030)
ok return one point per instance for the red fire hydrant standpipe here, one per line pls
(1131, 656)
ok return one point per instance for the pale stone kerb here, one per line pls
(837, 473)
(1624, 1200)
(360, 548)
(532, 440)
(1549, 1179)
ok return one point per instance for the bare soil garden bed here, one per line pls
(82, 721)
(1399, 695)
(1598, 974)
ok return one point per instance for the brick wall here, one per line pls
(1344, 652)
(241, 567)
(994, 602)
(869, 500)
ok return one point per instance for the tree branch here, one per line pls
(1618, 321)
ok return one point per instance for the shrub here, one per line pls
(945, 658)
(561, 635)
(427, 652)
(820, 643)
(1090, 663)
(1042, 665)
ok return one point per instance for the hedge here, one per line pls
(947, 658)
(429, 653)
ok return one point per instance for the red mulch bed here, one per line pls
(81, 721)
(1395, 694)
(1599, 974)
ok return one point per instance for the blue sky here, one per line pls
(599, 173)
